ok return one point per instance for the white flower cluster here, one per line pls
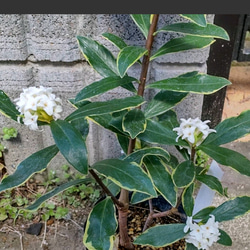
(193, 130)
(38, 104)
(202, 236)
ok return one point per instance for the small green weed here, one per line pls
(7, 133)
(14, 201)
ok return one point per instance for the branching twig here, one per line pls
(152, 215)
(44, 235)
(105, 189)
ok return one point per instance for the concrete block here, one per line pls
(15, 77)
(52, 37)
(13, 46)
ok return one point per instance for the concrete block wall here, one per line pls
(41, 49)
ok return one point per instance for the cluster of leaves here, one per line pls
(13, 202)
(150, 170)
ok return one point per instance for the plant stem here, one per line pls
(124, 195)
(153, 215)
(146, 58)
(105, 189)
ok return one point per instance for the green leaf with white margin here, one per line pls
(185, 43)
(190, 246)
(124, 142)
(82, 125)
(101, 226)
(188, 199)
(104, 121)
(138, 155)
(7, 107)
(98, 56)
(224, 239)
(160, 134)
(199, 19)
(71, 144)
(117, 121)
(184, 174)
(212, 182)
(228, 157)
(134, 122)
(104, 85)
(56, 191)
(203, 213)
(200, 83)
(78, 104)
(35, 163)
(143, 22)
(113, 188)
(211, 30)
(116, 40)
(169, 119)
(162, 102)
(100, 108)
(128, 56)
(172, 162)
(230, 129)
(232, 209)
(161, 178)
(139, 197)
(127, 175)
(161, 235)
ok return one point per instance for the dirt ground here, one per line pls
(64, 234)
(68, 234)
(58, 236)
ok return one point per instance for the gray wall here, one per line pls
(42, 50)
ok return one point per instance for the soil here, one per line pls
(35, 234)
(136, 220)
(60, 235)
(68, 233)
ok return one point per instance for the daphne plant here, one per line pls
(144, 127)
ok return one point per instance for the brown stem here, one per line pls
(173, 210)
(192, 156)
(154, 215)
(145, 60)
(124, 197)
(125, 241)
(150, 216)
(105, 189)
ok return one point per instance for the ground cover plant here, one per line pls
(13, 202)
(143, 128)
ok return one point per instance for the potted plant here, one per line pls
(143, 128)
